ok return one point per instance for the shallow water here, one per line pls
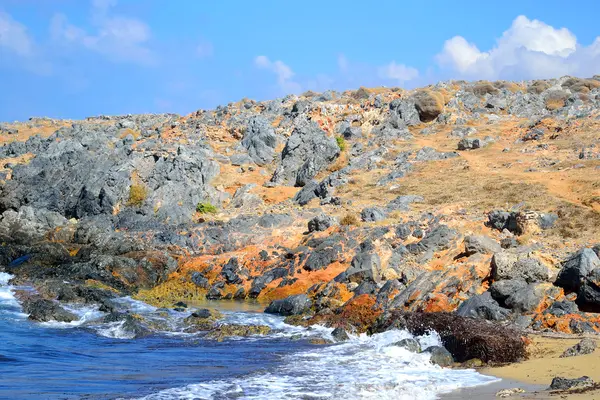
(83, 360)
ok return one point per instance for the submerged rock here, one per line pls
(409, 344)
(226, 331)
(439, 356)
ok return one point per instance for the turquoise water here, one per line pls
(87, 360)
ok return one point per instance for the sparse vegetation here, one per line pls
(556, 99)
(128, 131)
(137, 195)
(349, 219)
(482, 88)
(341, 142)
(206, 208)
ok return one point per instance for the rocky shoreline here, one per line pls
(471, 209)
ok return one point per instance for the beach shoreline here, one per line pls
(535, 374)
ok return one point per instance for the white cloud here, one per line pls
(204, 49)
(14, 36)
(120, 38)
(398, 72)
(529, 49)
(282, 71)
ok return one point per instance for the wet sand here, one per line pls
(535, 374)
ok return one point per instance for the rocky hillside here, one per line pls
(481, 198)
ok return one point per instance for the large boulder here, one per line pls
(479, 244)
(576, 268)
(509, 265)
(321, 222)
(428, 104)
(533, 298)
(292, 305)
(365, 266)
(483, 306)
(260, 140)
(307, 152)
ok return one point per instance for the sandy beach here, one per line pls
(535, 374)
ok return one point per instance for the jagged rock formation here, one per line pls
(355, 203)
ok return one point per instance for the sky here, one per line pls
(79, 58)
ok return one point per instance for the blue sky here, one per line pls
(77, 58)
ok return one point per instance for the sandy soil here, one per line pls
(535, 374)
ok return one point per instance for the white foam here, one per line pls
(115, 330)
(85, 314)
(8, 301)
(366, 367)
(280, 328)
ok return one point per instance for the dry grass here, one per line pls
(349, 219)
(128, 131)
(483, 87)
(554, 103)
(575, 221)
(466, 186)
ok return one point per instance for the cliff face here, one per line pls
(467, 197)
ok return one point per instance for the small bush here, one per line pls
(349, 219)
(137, 195)
(206, 208)
(483, 87)
(341, 142)
(538, 87)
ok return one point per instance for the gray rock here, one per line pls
(501, 220)
(372, 214)
(321, 222)
(340, 335)
(529, 298)
(307, 152)
(560, 308)
(409, 344)
(478, 244)
(439, 356)
(508, 265)
(589, 293)
(546, 221)
(534, 134)
(260, 140)
(352, 132)
(292, 305)
(42, 310)
(483, 306)
(402, 203)
(199, 280)
(463, 131)
(431, 154)
(439, 238)
(470, 144)
(560, 383)
(241, 159)
(576, 268)
(585, 346)
(365, 266)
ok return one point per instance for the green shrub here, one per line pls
(137, 195)
(341, 142)
(206, 208)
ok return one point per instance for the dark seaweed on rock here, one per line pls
(465, 338)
